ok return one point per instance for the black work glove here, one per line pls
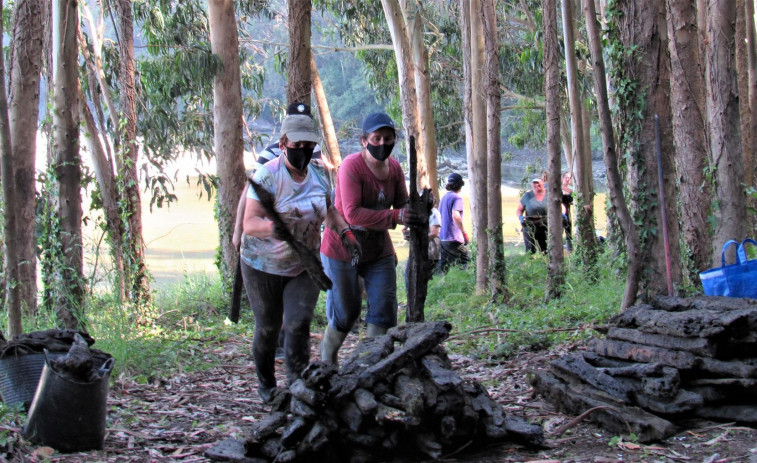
(408, 216)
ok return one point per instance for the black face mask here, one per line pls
(299, 158)
(380, 152)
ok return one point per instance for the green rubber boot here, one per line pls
(332, 341)
(375, 330)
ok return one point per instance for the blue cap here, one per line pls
(377, 121)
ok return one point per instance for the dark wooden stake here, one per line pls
(419, 265)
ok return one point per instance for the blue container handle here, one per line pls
(741, 253)
(727, 245)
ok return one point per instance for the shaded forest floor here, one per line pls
(175, 419)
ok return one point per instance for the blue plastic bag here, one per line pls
(734, 280)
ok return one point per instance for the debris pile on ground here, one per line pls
(396, 395)
(53, 340)
(660, 364)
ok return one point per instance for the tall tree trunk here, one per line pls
(587, 249)
(67, 164)
(644, 27)
(5, 156)
(331, 155)
(478, 123)
(19, 162)
(555, 271)
(298, 64)
(134, 255)
(228, 144)
(426, 128)
(465, 28)
(689, 135)
(618, 207)
(106, 183)
(750, 158)
(724, 123)
(406, 73)
(497, 268)
(742, 72)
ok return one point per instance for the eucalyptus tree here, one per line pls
(724, 123)
(406, 79)
(19, 132)
(69, 303)
(497, 267)
(618, 207)
(638, 37)
(299, 77)
(587, 248)
(687, 95)
(227, 127)
(555, 272)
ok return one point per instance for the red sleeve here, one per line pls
(350, 190)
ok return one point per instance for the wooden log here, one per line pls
(635, 370)
(317, 375)
(287, 456)
(698, 346)
(520, 430)
(574, 366)
(679, 304)
(739, 413)
(315, 440)
(231, 450)
(641, 353)
(350, 415)
(294, 432)
(261, 430)
(666, 385)
(307, 256)
(301, 392)
(271, 447)
(409, 390)
(724, 390)
(681, 403)
(611, 414)
(300, 408)
(387, 414)
(439, 372)
(418, 338)
(365, 401)
(418, 265)
(745, 368)
(704, 322)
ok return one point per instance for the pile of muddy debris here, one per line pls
(661, 364)
(395, 396)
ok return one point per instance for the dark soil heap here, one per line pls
(661, 364)
(396, 396)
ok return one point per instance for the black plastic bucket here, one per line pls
(66, 415)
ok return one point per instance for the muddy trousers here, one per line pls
(275, 299)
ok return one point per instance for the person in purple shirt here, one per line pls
(453, 237)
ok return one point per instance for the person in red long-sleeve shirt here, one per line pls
(371, 195)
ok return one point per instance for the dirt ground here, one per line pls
(175, 419)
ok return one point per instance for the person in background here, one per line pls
(434, 243)
(371, 195)
(567, 201)
(454, 240)
(534, 224)
(278, 287)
